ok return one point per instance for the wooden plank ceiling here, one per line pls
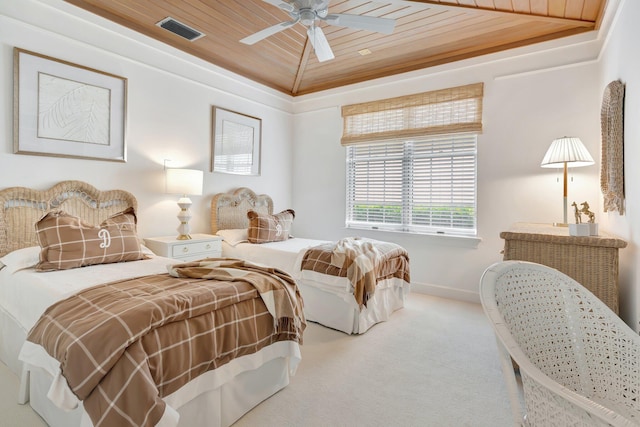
(427, 33)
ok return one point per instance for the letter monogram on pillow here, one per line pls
(68, 242)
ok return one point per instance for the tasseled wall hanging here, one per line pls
(612, 167)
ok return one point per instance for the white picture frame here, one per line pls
(236, 142)
(63, 109)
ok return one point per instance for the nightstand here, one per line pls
(591, 261)
(200, 246)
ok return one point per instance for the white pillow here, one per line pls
(233, 236)
(21, 259)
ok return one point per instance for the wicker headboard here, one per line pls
(229, 210)
(21, 208)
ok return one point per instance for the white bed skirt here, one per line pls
(217, 398)
(327, 299)
(341, 312)
(11, 338)
(219, 407)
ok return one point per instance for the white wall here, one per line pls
(621, 60)
(531, 96)
(170, 96)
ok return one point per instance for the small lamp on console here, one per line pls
(186, 182)
(566, 152)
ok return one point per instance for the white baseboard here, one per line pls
(445, 292)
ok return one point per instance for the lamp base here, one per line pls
(184, 216)
(560, 224)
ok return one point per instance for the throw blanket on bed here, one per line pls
(363, 261)
(281, 298)
(125, 345)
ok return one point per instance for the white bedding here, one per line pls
(287, 256)
(25, 294)
(328, 300)
(282, 255)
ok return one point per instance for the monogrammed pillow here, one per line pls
(68, 242)
(265, 228)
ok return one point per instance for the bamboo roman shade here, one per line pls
(452, 110)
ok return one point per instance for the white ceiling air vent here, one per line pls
(180, 29)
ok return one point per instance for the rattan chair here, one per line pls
(579, 363)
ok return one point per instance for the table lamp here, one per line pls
(566, 152)
(186, 182)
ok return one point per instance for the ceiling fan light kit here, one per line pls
(309, 13)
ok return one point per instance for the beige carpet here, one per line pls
(434, 363)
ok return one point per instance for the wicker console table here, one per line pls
(590, 260)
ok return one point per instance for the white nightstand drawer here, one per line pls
(201, 246)
(194, 248)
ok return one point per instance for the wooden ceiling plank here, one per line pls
(411, 22)
(505, 5)
(552, 16)
(600, 13)
(574, 8)
(429, 61)
(406, 40)
(557, 7)
(356, 7)
(432, 36)
(486, 4)
(503, 32)
(256, 17)
(521, 6)
(242, 17)
(304, 60)
(592, 9)
(404, 29)
(289, 42)
(539, 7)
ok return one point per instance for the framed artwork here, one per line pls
(67, 110)
(235, 143)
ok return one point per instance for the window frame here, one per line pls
(461, 148)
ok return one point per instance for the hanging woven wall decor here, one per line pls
(612, 167)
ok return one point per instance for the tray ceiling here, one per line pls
(427, 33)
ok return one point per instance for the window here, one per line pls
(411, 162)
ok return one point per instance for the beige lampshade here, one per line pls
(184, 181)
(569, 150)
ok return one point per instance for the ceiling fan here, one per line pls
(309, 13)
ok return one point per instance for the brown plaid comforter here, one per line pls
(123, 346)
(364, 262)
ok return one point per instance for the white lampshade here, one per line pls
(569, 150)
(184, 181)
(566, 152)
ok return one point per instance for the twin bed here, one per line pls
(156, 372)
(329, 289)
(252, 351)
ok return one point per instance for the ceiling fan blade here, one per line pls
(371, 23)
(263, 34)
(281, 4)
(320, 44)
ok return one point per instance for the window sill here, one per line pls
(456, 240)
